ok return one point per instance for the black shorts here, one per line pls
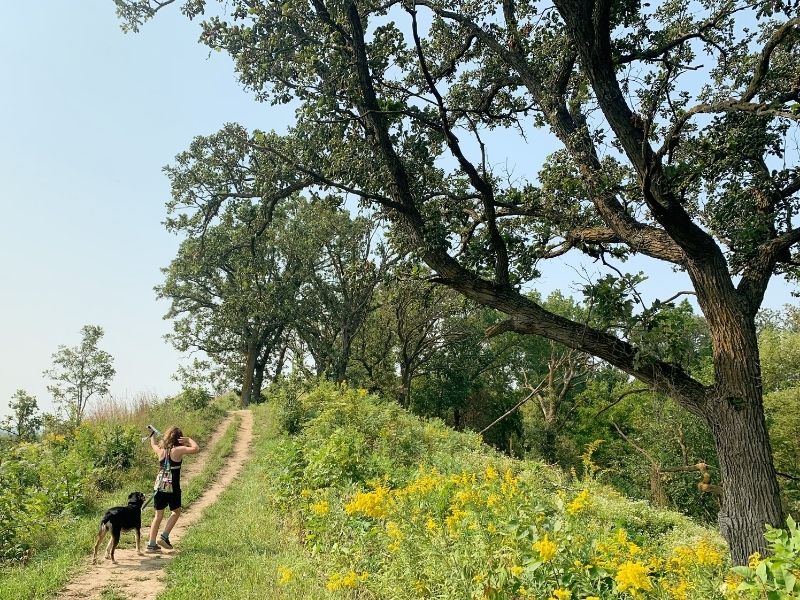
(162, 500)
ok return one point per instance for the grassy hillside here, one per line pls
(363, 500)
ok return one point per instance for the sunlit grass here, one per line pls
(244, 547)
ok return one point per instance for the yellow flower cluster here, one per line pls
(546, 548)
(633, 577)
(393, 531)
(454, 518)
(427, 481)
(685, 557)
(337, 581)
(509, 485)
(321, 508)
(285, 575)
(579, 503)
(561, 594)
(373, 504)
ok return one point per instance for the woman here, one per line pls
(177, 446)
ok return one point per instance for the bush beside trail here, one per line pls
(399, 507)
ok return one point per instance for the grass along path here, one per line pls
(244, 548)
(140, 577)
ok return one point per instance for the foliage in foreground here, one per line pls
(398, 507)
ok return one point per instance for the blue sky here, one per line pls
(89, 117)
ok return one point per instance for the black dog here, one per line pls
(118, 519)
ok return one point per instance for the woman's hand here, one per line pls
(190, 444)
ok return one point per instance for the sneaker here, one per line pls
(163, 541)
(152, 548)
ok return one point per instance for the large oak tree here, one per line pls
(675, 124)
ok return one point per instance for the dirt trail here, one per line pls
(141, 577)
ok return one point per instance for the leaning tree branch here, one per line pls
(756, 275)
(762, 68)
(478, 182)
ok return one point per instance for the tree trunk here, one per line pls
(279, 363)
(658, 496)
(735, 415)
(249, 369)
(340, 368)
(750, 496)
(258, 381)
(549, 441)
(405, 386)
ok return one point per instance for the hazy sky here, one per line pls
(89, 117)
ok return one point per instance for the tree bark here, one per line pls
(258, 381)
(405, 385)
(750, 495)
(279, 363)
(249, 370)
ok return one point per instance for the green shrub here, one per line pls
(777, 576)
(285, 395)
(194, 398)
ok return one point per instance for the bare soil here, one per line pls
(142, 577)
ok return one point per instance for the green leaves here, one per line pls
(80, 372)
(775, 576)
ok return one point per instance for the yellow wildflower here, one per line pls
(393, 530)
(338, 581)
(754, 560)
(490, 474)
(305, 492)
(633, 577)
(321, 508)
(334, 582)
(491, 528)
(679, 591)
(579, 503)
(284, 575)
(509, 485)
(456, 514)
(561, 594)
(424, 483)
(707, 554)
(516, 570)
(431, 525)
(546, 549)
(492, 500)
(350, 580)
(373, 504)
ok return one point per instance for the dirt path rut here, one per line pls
(142, 577)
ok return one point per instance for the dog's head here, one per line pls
(136, 499)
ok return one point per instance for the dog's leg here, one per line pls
(101, 534)
(138, 540)
(114, 542)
